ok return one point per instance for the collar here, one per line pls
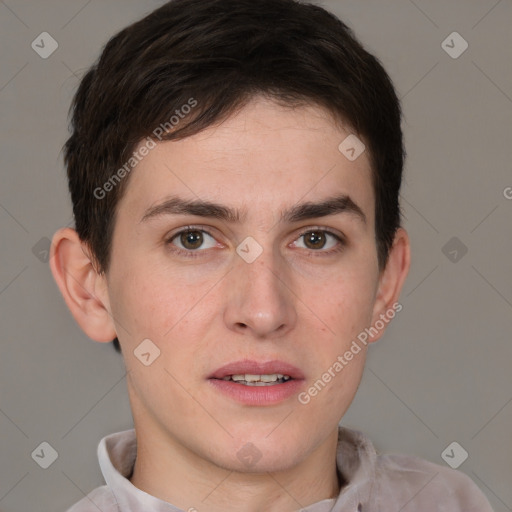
(355, 459)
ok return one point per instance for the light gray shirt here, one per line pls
(374, 483)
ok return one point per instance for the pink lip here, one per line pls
(258, 395)
(257, 368)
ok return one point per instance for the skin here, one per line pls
(295, 303)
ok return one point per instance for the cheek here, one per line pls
(151, 303)
(346, 301)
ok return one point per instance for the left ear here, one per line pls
(391, 281)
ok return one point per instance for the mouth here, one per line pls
(257, 383)
(248, 372)
(258, 380)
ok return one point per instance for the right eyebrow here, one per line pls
(178, 206)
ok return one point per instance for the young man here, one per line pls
(234, 168)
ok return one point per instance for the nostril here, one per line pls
(359, 507)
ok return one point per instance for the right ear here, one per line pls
(83, 288)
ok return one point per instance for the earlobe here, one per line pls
(83, 288)
(391, 282)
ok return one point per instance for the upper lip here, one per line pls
(247, 366)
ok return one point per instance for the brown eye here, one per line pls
(320, 241)
(191, 239)
(315, 239)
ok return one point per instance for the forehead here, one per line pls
(266, 157)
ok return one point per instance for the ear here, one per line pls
(83, 288)
(390, 285)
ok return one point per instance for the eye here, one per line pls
(192, 239)
(320, 240)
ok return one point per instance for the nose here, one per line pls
(260, 300)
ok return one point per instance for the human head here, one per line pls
(272, 88)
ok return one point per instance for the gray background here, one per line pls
(442, 371)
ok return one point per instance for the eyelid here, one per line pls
(330, 231)
(183, 229)
(187, 254)
(302, 232)
(340, 237)
(190, 227)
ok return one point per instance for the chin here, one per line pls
(250, 460)
(259, 452)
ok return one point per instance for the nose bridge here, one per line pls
(262, 277)
(258, 298)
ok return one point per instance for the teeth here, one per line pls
(257, 380)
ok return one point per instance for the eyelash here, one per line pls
(197, 253)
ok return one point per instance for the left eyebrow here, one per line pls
(330, 206)
(304, 211)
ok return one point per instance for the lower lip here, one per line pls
(258, 395)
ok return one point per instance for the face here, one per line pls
(260, 279)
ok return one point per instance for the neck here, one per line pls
(167, 470)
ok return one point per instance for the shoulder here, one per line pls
(417, 484)
(100, 498)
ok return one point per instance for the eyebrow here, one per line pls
(331, 206)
